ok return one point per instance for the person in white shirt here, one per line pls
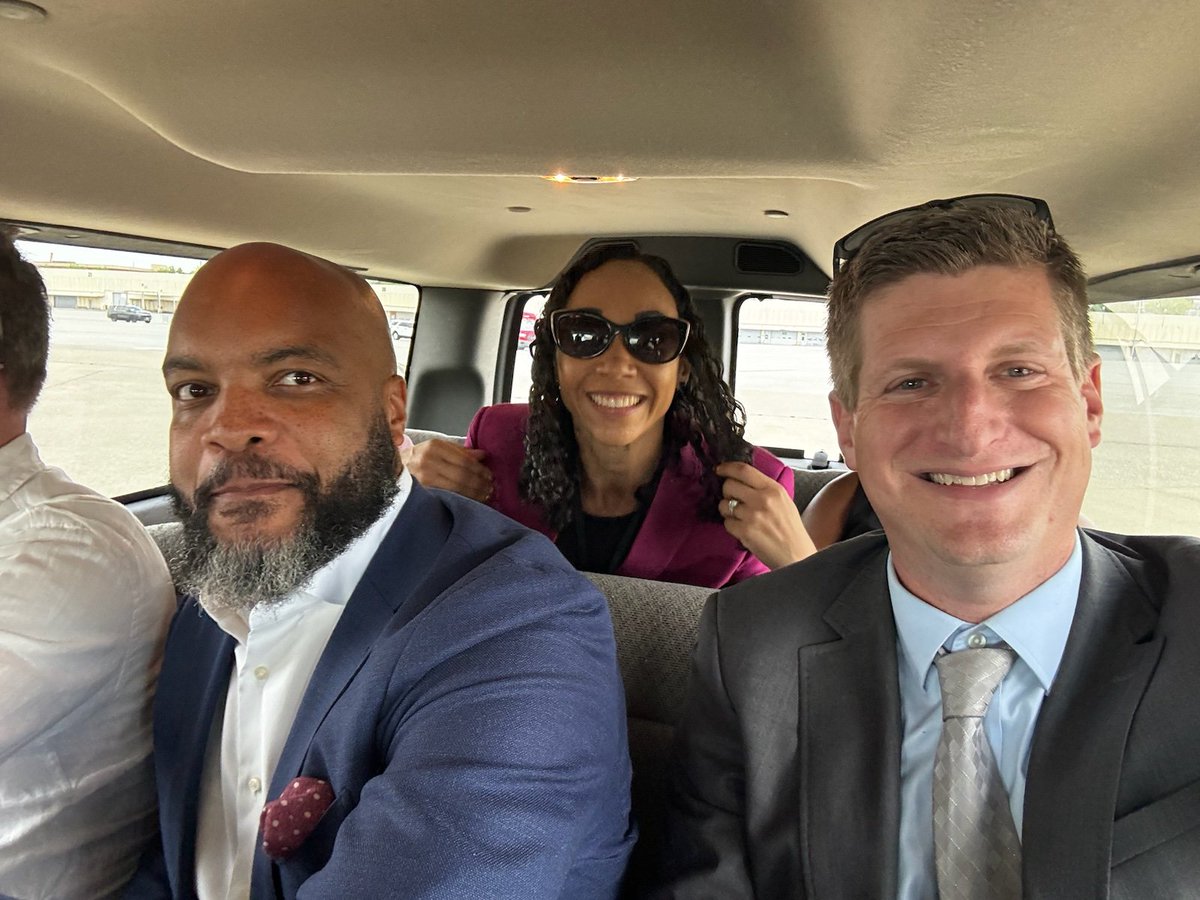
(85, 599)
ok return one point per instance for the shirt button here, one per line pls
(974, 641)
(261, 672)
(255, 785)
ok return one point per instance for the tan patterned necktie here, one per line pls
(976, 846)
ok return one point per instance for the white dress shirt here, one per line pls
(85, 600)
(1036, 628)
(276, 652)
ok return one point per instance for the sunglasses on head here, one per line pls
(585, 335)
(846, 248)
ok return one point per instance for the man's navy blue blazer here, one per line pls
(467, 712)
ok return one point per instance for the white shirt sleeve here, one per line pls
(85, 600)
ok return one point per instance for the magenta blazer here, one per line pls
(673, 544)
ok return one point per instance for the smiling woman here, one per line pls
(630, 453)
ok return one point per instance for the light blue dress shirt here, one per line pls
(1036, 628)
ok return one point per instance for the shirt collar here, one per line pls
(19, 461)
(332, 584)
(1036, 626)
(335, 581)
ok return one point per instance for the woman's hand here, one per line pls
(759, 513)
(444, 464)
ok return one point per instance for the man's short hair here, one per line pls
(24, 327)
(950, 241)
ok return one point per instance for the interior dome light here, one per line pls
(564, 178)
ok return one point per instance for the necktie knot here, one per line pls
(969, 678)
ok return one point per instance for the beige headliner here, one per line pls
(393, 134)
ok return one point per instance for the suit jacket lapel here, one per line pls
(665, 530)
(1078, 748)
(191, 692)
(396, 576)
(849, 745)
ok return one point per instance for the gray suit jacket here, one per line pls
(786, 780)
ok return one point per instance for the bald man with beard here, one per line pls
(370, 689)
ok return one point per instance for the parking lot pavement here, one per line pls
(103, 416)
(92, 328)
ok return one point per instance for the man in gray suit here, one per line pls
(812, 760)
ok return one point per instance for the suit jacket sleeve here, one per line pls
(499, 430)
(503, 750)
(705, 847)
(150, 882)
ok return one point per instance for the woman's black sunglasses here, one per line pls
(585, 335)
(845, 249)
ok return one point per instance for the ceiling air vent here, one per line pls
(632, 245)
(757, 258)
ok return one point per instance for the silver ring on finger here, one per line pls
(733, 505)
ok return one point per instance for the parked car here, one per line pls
(401, 328)
(525, 334)
(120, 313)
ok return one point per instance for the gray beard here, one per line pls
(242, 577)
(246, 575)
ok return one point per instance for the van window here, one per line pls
(781, 375)
(103, 414)
(1143, 473)
(400, 302)
(523, 362)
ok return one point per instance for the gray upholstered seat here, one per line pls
(655, 625)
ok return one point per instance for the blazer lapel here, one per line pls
(191, 692)
(1076, 757)
(665, 529)
(397, 573)
(849, 746)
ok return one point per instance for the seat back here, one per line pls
(809, 481)
(655, 625)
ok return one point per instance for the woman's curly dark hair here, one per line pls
(703, 414)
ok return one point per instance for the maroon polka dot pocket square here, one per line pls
(286, 822)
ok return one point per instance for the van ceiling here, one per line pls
(394, 135)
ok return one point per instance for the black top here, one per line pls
(600, 543)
